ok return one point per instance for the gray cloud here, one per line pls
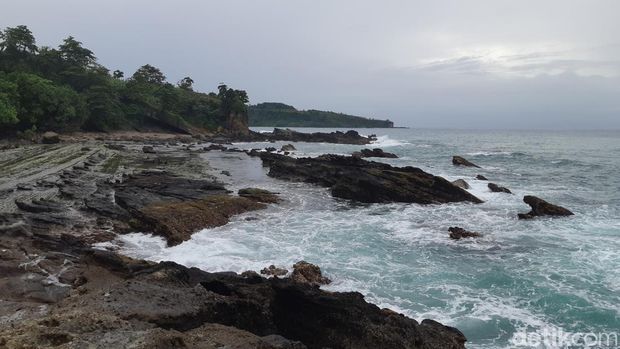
(449, 63)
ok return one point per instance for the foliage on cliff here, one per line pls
(282, 115)
(66, 89)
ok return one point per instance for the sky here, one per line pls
(494, 64)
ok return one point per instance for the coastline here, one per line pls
(56, 202)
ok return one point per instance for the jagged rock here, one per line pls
(50, 138)
(24, 186)
(225, 173)
(114, 146)
(374, 153)
(457, 233)
(259, 195)
(349, 137)
(148, 149)
(497, 189)
(461, 183)
(460, 161)
(481, 178)
(541, 207)
(272, 270)
(308, 273)
(366, 181)
(270, 149)
(288, 147)
(168, 205)
(215, 147)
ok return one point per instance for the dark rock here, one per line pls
(497, 189)
(118, 147)
(226, 173)
(308, 273)
(168, 205)
(374, 153)
(85, 149)
(270, 149)
(259, 195)
(288, 147)
(366, 181)
(349, 137)
(272, 270)
(481, 178)
(24, 186)
(148, 149)
(457, 233)
(460, 161)
(461, 183)
(50, 138)
(541, 207)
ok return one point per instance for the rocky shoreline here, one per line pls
(57, 199)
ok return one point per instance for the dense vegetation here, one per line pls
(66, 89)
(282, 115)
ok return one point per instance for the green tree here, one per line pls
(47, 106)
(117, 74)
(104, 108)
(186, 83)
(149, 74)
(72, 52)
(8, 98)
(17, 41)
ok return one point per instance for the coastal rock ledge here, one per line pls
(356, 179)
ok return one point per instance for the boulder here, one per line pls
(461, 183)
(374, 153)
(148, 150)
(541, 207)
(288, 147)
(50, 138)
(365, 181)
(270, 149)
(272, 270)
(497, 189)
(481, 178)
(457, 233)
(308, 273)
(259, 195)
(460, 161)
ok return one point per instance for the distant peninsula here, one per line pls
(283, 115)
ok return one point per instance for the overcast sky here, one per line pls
(455, 64)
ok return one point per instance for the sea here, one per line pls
(541, 283)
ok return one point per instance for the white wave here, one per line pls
(386, 141)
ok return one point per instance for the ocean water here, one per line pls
(522, 277)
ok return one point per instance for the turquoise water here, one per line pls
(522, 276)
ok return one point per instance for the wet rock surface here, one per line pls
(461, 183)
(308, 273)
(461, 161)
(374, 153)
(458, 233)
(349, 137)
(498, 189)
(541, 207)
(365, 181)
(259, 195)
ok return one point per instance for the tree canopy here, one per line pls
(65, 89)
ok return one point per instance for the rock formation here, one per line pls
(458, 233)
(365, 181)
(541, 207)
(497, 189)
(460, 161)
